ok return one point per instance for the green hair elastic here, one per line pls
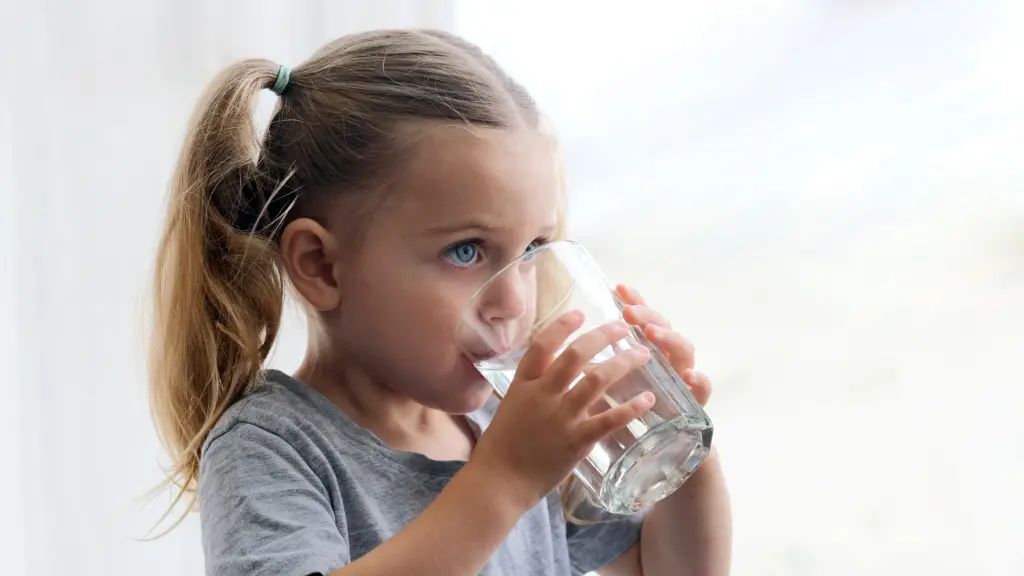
(284, 74)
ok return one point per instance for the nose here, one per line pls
(505, 298)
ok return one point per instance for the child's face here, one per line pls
(465, 205)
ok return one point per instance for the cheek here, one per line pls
(406, 313)
(414, 315)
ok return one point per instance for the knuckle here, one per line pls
(546, 341)
(634, 364)
(622, 367)
(640, 355)
(597, 379)
(565, 321)
(627, 416)
(616, 417)
(619, 419)
(573, 355)
(541, 347)
(613, 329)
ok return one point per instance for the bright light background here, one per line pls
(825, 196)
(828, 199)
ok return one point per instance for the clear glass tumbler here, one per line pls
(635, 466)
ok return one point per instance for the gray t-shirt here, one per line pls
(289, 486)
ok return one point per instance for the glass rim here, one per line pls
(518, 260)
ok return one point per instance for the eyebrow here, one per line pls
(462, 226)
(479, 225)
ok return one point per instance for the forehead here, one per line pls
(505, 179)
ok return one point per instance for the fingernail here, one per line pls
(647, 399)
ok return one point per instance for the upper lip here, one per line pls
(482, 356)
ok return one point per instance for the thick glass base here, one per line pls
(657, 465)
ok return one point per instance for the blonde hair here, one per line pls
(219, 288)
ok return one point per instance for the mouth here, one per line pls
(482, 356)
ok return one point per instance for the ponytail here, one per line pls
(218, 291)
(219, 287)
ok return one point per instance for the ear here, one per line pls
(311, 255)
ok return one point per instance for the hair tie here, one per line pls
(284, 74)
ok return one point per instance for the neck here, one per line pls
(399, 421)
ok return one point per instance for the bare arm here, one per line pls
(690, 532)
(453, 536)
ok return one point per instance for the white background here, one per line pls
(825, 196)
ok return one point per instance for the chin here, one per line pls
(457, 387)
(469, 394)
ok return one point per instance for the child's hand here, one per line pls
(542, 429)
(678, 350)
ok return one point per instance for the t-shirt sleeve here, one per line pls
(263, 511)
(601, 539)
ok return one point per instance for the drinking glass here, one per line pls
(637, 465)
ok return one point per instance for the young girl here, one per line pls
(399, 171)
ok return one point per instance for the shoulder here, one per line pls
(275, 409)
(267, 496)
(274, 431)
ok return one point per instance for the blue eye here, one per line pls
(463, 254)
(533, 246)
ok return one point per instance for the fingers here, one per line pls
(542, 351)
(642, 316)
(679, 351)
(573, 359)
(605, 374)
(597, 427)
(700, 385)
(630, 295)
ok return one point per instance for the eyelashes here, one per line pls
(463, 254)
(467, 253)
